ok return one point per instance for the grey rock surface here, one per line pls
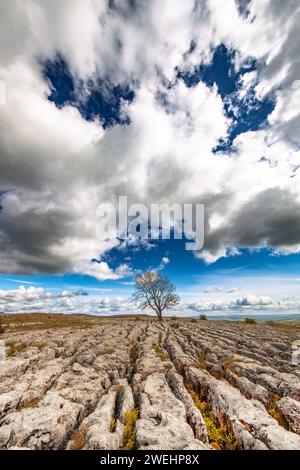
(126, 383)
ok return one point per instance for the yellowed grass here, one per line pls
(78, 439)
(220, 437)
(131, 417)
(161, 354)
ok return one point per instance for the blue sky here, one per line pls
(197, 107)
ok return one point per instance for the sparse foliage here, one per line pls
(250, 321)
(203, 317)
(156, 292)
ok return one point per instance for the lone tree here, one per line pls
(155, 292)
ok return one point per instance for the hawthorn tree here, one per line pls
(156, 292)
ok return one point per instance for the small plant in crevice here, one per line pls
(129, 439)
(14, 348)
(231, 364)
(201, 361)
(107, 351)
(112, 426)
(250, 321)
(161, 354)
(29, 404)
(133, 355)
(221, 437)
(277, 414)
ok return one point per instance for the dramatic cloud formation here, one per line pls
(105, 98)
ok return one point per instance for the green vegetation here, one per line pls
(220, 437)
(133, 355)
(201, 361)
(29, 404)
(14, 348)
(161, 354)
(230, 363)
(107, 351)
(277, 414)
(203, 317)
(112, 426)
(131, 417)
(250, 321)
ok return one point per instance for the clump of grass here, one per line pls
(201, 361)
(107, 351)
(220, 437)
(250, 321)
(161, 354)
(133, 355)
(112, 426)
(29, 404)
(193, 320)
(40, 346)
(203, 317)
(231, 364)
(277, 414)
(129, 442)
(14, 348)
(78, 439)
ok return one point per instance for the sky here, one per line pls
(169, 102)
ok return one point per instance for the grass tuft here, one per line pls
(112, 426)
(161, 354)
(220, 437)
(201, 362)
(131, 417)
(133, 355)
(277, 414)
(14, 348)
(29, 404)
(107, 351)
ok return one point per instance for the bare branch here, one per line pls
(156, 292)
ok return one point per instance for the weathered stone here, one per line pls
(291, 410)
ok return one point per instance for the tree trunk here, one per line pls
(158, 313)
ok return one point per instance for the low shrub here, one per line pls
(203, 317)
(250, 321)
